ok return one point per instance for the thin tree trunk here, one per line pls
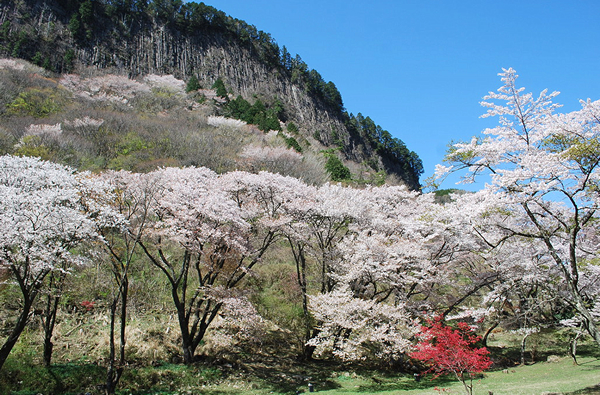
(463, 380)
(49, 323)
(573, 346)
(487, 334)
(123, 319)
(115, 368)
(523, 347)
(300, 259)
(29, 293)
(16, 332)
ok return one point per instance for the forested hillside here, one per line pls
(260, 82)
(166, 200)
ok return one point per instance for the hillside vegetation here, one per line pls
(199, 44)
(171, 220)
(109, 121)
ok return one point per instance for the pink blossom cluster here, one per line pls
(20, 65)
(165, 82)
(104, 88)
(52, 131)
(270, 154)
(84, 122)
(240, 324)
(12, 64)
(217, 121)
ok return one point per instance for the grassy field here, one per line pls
(541, 378)
(562, 377)
(272, 373)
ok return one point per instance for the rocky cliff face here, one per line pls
(140, 45)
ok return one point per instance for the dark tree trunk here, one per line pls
(49, 320)
(116, 367)
(487, 334)
(29, 289)
(300, 259)
(49, 323)
(16, 332)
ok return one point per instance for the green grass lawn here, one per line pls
(543, 377)
(561, 377)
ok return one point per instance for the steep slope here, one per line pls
(195, 40)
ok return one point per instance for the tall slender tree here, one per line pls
(133, 198)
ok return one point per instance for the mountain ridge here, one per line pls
(191, 39)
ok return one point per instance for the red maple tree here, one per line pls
(451, 351)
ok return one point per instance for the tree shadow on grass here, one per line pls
(593, 390)
(67, 378)
(289, 376)
(588, 365)
(405, 383)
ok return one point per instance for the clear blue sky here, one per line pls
(419, 68)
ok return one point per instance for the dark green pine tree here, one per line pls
(219, 87)
(193, 84)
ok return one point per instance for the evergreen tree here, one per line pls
(219, 87)
(286, 58)
(336, 168)
(193, 84)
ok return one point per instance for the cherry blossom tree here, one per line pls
(482, 279)
(133, 198)
(44, 214)
(217, 121)
(357, 329)
(392, 262)
(268, 199)
(403, 252)
(275, 159)
(527, 293)
(270, 203)
(414, 249)
(209, 233)
(544, 170)
(328, 221)
(321, 219)
(112, 88)
(195, 239)
(166, 83)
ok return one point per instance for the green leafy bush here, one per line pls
(37, 103)
(292, 128)
(292, 143)
(34, 147)
(256, 114)
(336, 169)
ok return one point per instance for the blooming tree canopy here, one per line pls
(45, 211)
(545, 173)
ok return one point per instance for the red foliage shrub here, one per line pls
(451, 351)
